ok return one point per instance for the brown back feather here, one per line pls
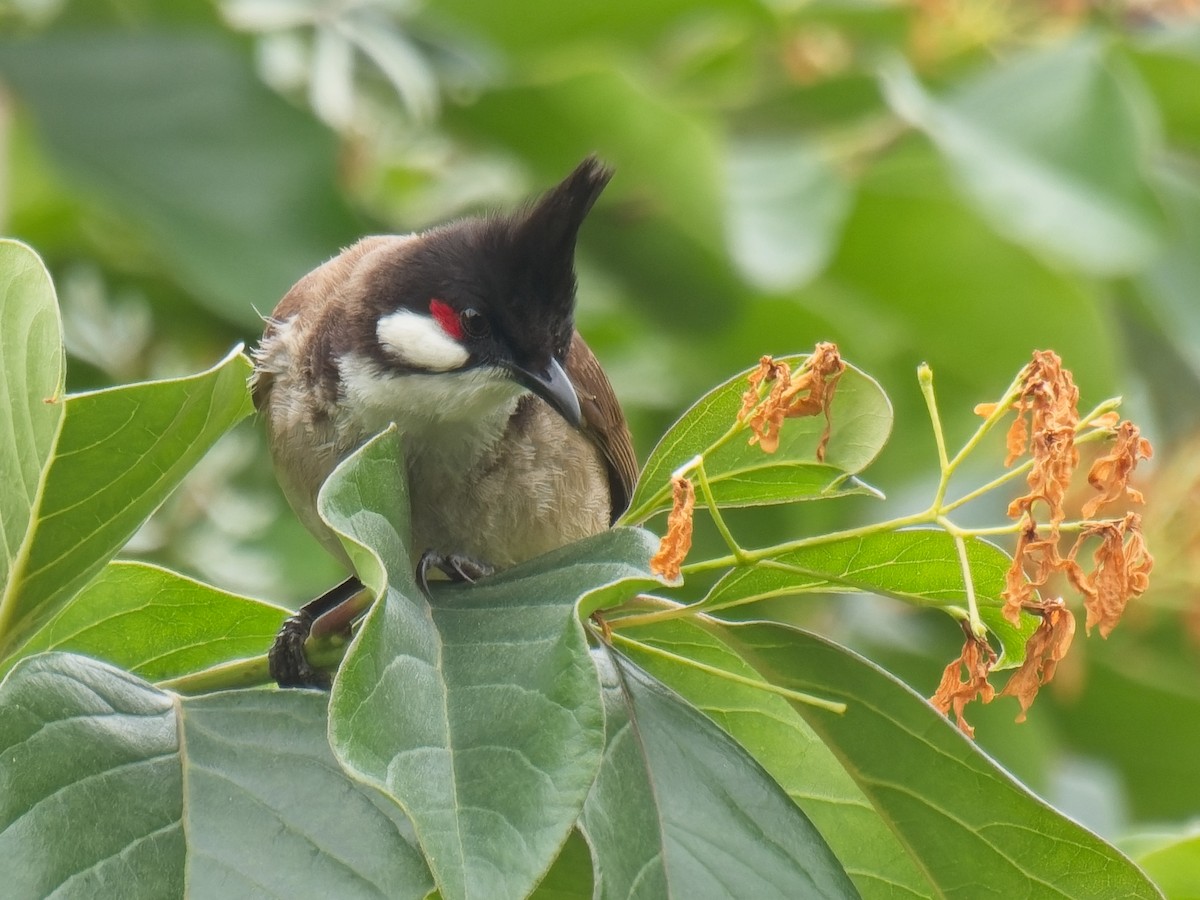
(603, 422)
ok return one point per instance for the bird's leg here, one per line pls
(288, 664)
(455, 566)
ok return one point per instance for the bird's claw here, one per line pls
(455, 566)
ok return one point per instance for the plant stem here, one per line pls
(1002, 407)
(324, 653)
(960, 545)
(749, 557)
(798, 696)
(925, 379)
(718, 519)
(238, 673)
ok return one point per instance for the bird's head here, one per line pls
(493, 295)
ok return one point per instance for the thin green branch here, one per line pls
(715, 512)
(749, 557)
(960, 546)
(1001, 410)
(798, 696)
(238, 673)
(925, 379)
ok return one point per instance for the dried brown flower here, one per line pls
(1043, 652)
(1035, 559)
(974, 663)
(806, 392)
(675, 544)
(768, 370)
(1050, 400)
(1122, 571)
(1110, 473)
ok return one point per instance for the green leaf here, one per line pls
(119, 454)
(233, 794)
(228, 181)
(1172, 860)
(1032, 167)
(570, 878)
(741, 474)
(262, 782)
(477, 709)
(786, 206)
(32, 369)
(681, 810)
(782, 742)
(918, 566)
(85, 744)
(157, 624)
(969, 825)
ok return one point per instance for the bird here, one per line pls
(463, 336)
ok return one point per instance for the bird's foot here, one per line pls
(455, 566)
(286, 659)
(288, 664)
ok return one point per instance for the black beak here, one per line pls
(553, 386)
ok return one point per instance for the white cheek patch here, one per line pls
(419, 341)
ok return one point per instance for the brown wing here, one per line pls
(603, 422)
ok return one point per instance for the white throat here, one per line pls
(449, 419)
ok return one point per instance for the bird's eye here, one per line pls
(474, 323)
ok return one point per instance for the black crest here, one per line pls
(540, 252)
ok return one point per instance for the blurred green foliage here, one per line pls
(956, 182)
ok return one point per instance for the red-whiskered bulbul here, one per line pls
(514, 442)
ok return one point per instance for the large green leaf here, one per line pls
(225, 178)
(1032, 166)
(783, 743)
(918, 566)
(477, 709)
(157, 624)
(968, 824)
(31, 410)
(110, 788)
(741, 474)
(681, 810)
(119, 454)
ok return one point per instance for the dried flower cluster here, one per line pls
(1046, 424)
(1048, 394)
(805, 392)
(673, 548)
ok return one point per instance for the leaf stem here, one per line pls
(960, 546)
(832, 706)
(237, 673)
(925, 379)
(324, 653)
(749, 557)
(715, 511)
(1086, 437)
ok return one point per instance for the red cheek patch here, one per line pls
(443, 313)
